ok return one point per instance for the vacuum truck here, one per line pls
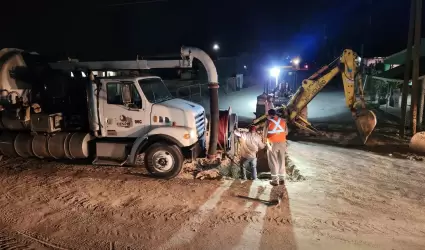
(61, 110)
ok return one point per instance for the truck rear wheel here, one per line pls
(164, 160)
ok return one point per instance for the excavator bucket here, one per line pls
(417, 143)
(365, 123)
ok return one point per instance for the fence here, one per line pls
(193, 92)
(196, 92)
(381, 91)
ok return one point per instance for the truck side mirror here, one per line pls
(126, 94)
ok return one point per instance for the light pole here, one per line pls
(216, 48)
(274, 72)
(296, 62)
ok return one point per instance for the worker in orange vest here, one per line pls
(275, 132)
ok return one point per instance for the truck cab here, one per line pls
(138, 115)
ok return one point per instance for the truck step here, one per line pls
(107, 162)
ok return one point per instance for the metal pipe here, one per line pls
(408, 64)
(415, 73)
(205, 60)
(213, 89)
(421, 105)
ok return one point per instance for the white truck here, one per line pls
(62, 111)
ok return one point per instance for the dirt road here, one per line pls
(350, 200)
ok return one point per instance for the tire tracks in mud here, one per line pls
(363, 227)
(50, 190)
(16, 240)
(72, 198)
(8, 242)
(66, 194)
(47, 187)
(226, 217)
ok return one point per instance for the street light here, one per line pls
(274, 72)
(296, 61)
(216, 47)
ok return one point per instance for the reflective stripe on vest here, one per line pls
(277, 127)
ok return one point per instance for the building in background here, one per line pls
(386, 80)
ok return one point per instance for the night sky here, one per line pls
(108, 29)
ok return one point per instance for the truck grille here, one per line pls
(200, 123)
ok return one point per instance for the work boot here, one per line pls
(274, 183)
(281, 180)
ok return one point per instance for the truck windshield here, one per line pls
(155, 90)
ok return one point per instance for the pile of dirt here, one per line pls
(229, 166)
(226, 166)
(292, 172)
(214, 169)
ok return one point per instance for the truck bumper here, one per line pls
(197, 150)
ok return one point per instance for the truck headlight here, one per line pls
(191, 135)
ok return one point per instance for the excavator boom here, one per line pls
(365, 120)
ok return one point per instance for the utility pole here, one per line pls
(415, 73)
(407, 65)
(421, 104)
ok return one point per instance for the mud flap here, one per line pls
(365, 122)
(417, 143)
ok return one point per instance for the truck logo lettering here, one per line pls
(138, 121)
(125, 122)
(112, 132)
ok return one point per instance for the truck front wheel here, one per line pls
(164, 160)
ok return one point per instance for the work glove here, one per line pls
(268, 146)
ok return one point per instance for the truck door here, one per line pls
(123, 109)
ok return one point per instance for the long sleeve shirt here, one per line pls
(250, 143)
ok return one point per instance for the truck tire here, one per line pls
(164, 160)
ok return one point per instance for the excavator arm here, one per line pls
(346, 65)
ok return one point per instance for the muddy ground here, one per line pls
(351, 199)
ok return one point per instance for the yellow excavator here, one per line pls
(347, 64)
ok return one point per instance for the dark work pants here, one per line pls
(251, 165)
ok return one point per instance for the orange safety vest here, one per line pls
(276, 131)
